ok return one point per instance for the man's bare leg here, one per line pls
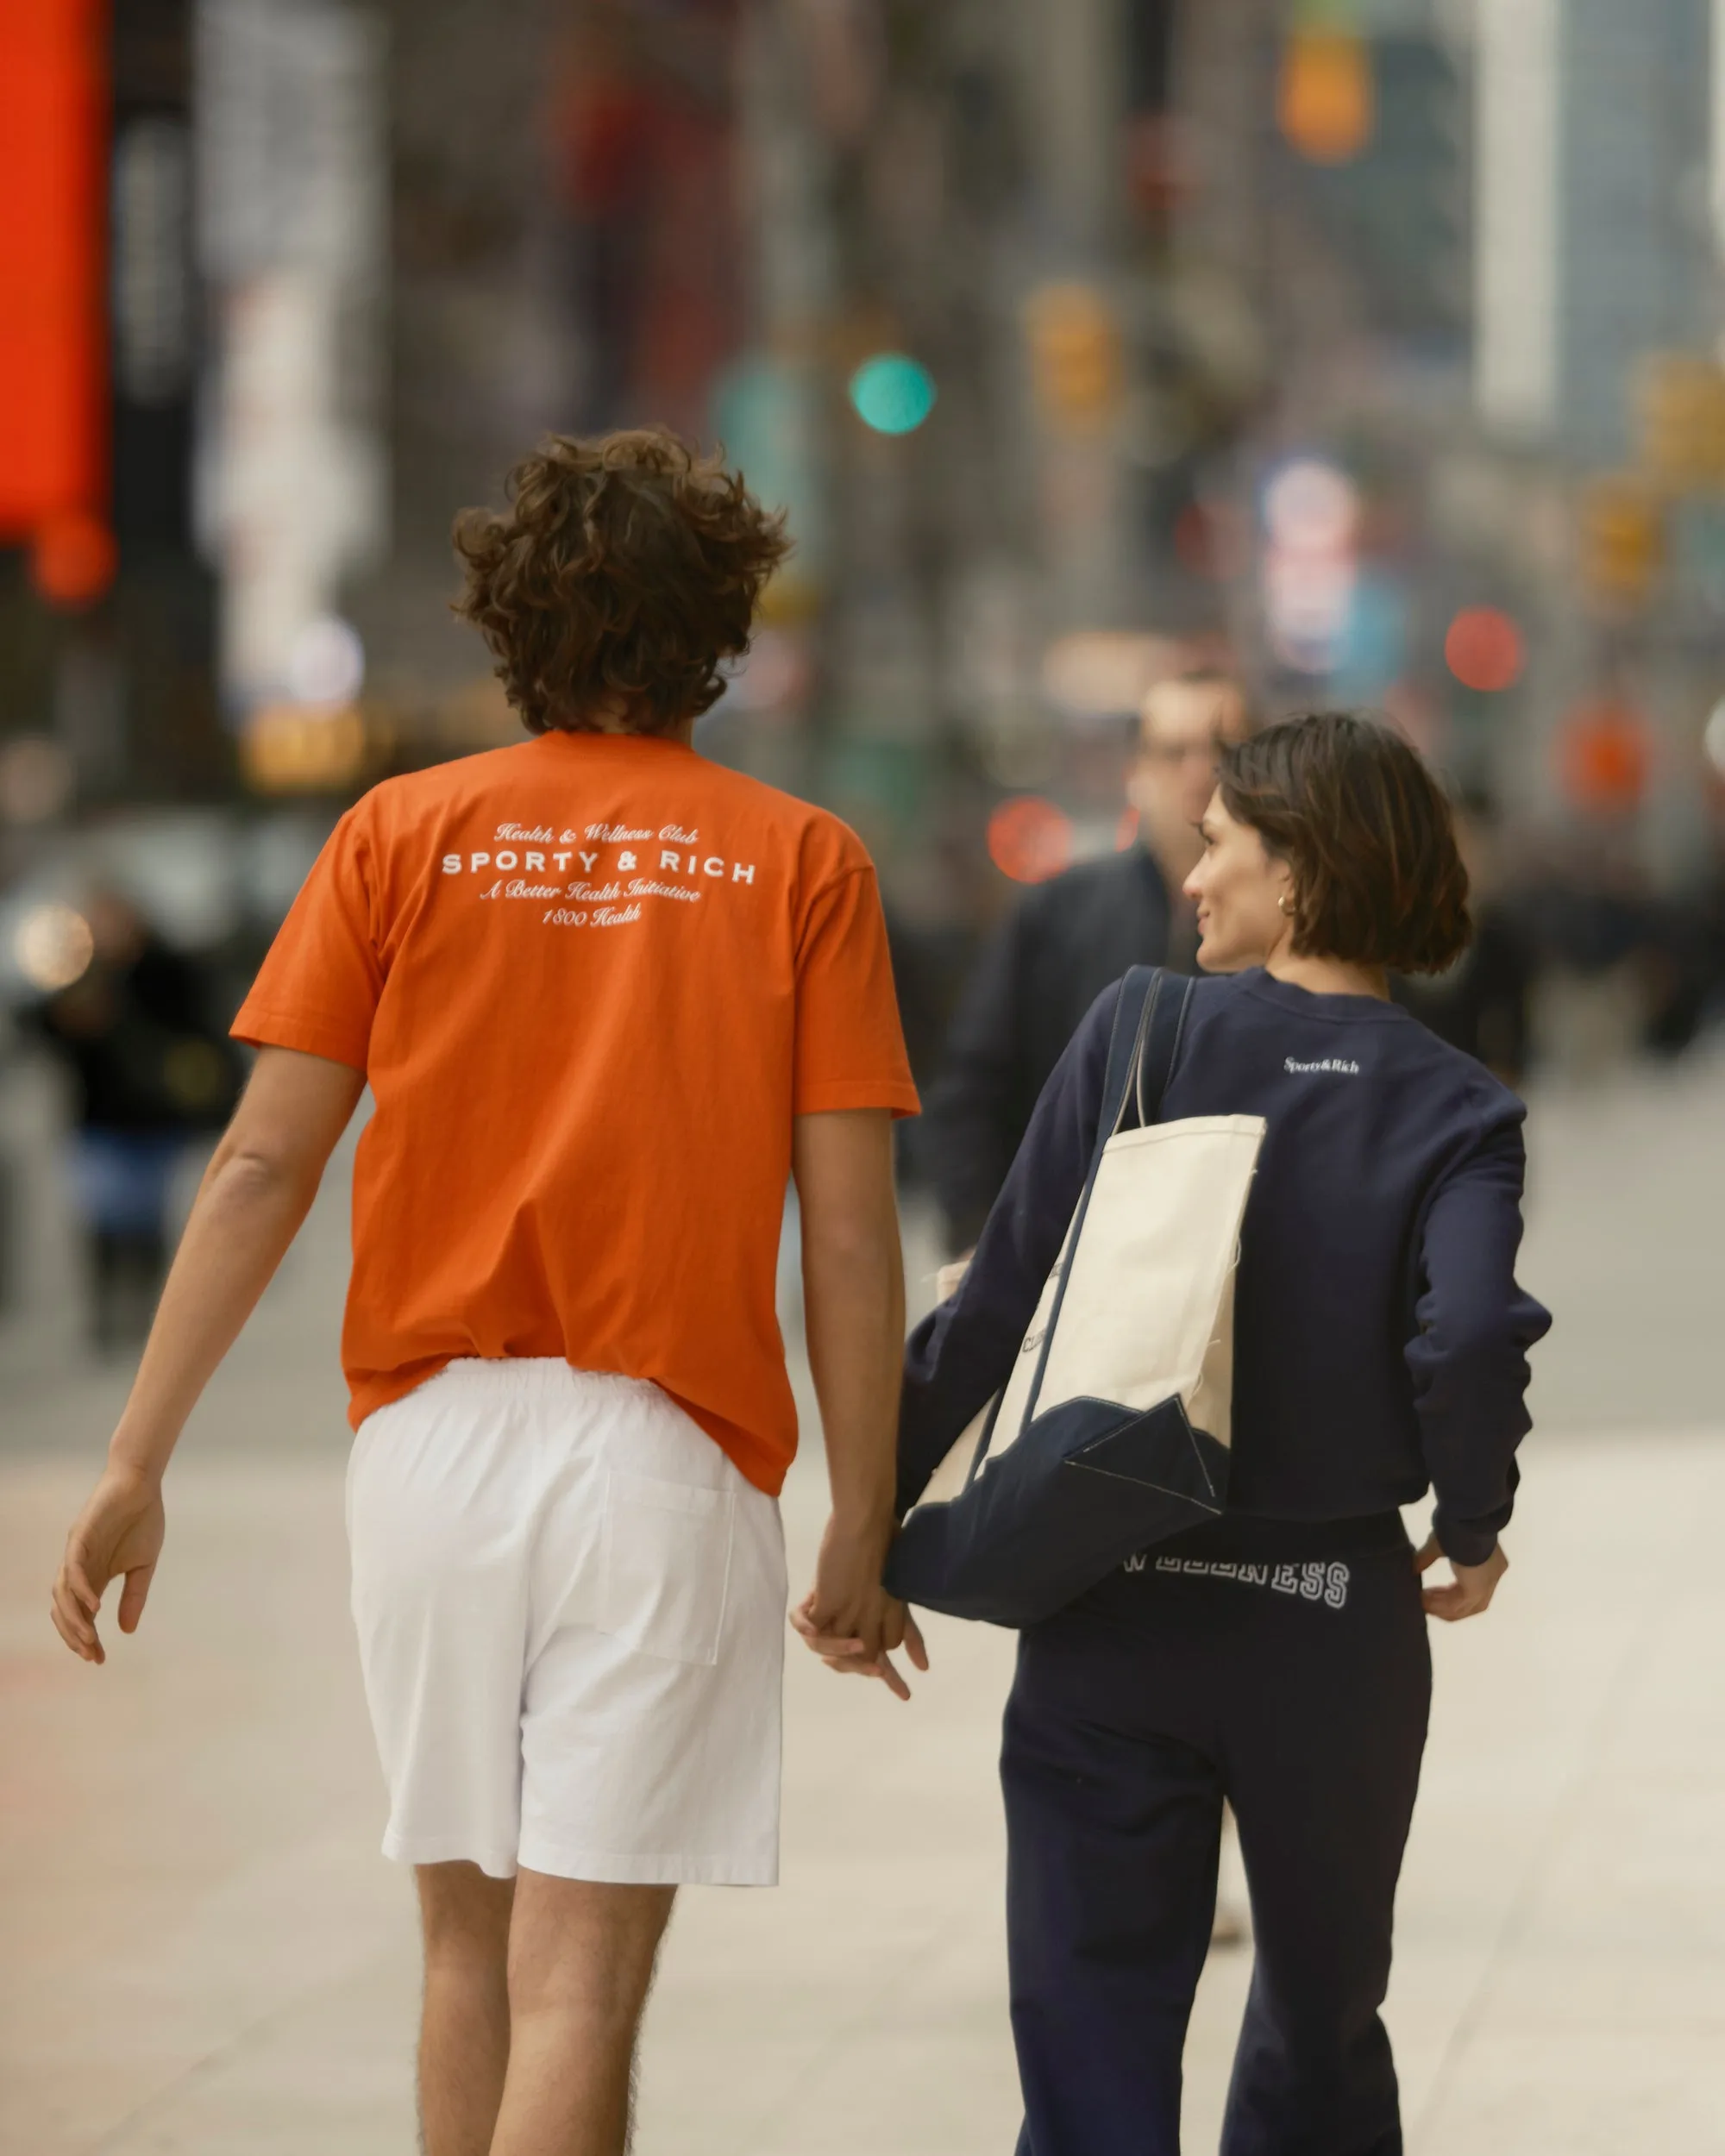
(464, 2026)
(580, 1963)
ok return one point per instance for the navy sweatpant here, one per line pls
(1285, 1667)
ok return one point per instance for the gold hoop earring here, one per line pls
(1282, 906)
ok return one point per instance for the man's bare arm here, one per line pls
(854, 1303)
(257, 1190)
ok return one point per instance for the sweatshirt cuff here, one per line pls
(1465, 1541)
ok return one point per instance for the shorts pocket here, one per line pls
(665, 1568)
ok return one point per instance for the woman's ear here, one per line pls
(1282, 893)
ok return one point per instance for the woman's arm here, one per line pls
(1469, 1358)
(957, 1358)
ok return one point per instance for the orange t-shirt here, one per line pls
(590, 979)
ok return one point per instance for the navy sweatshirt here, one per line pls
(1380, 1338)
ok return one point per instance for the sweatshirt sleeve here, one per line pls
(1469, 1356)
(957, 1358)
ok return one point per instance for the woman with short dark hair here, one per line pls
(1277, 1657)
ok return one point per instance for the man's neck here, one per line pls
(610, 714)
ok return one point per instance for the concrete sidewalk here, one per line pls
(206, 1957)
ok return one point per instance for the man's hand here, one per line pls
(1472, 1589)
(119, 1531)
(847, 1657)
(847, 1601)
(849, 1619)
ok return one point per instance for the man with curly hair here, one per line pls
(608, 996)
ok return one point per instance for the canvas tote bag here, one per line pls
(1112, 1429)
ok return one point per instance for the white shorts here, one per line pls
(571, 1611)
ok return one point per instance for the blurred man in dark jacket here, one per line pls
(1065, 941)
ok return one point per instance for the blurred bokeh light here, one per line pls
(301, 749)
(37, 779)
(1311, 519)
(1078, 357)
(1325, 100)
(1714, 739)
(73, 558)
(1030, 839)
(1483, 649)
(53, 947)
(893, 393)
(1605, 757)
(326, 662)
(1104, 674)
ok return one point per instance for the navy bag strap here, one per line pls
(1164, 1027)
(1149, 1017)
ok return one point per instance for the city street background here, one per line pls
(207, 1957)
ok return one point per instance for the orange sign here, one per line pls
(53, 449)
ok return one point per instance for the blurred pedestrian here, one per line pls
(1065, 941)
(606, 995)
(1276, 1656)
(149, 1071)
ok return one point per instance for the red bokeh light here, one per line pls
(1605, 757)
(74, 559)
(1483, 648)
(1029, 839)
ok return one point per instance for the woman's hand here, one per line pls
(1470, 1590)
(119, 1531)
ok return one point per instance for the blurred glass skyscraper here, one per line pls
(1597, 140)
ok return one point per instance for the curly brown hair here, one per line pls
(1368, 832)
(627, 566)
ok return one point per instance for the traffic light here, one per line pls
(1077, 361)
(1621, 537)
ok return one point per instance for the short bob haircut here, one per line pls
(1368, 833)
(628, 566)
